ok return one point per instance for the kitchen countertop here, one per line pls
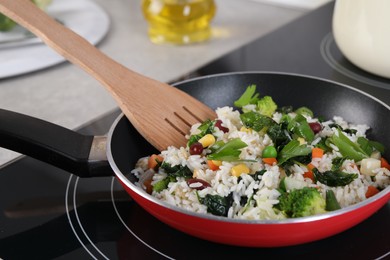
(67, 96)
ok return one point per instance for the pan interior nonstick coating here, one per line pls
(324, 98)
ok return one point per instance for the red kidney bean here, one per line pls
(197, 184)
(316, 127)
(196, 148)
(218, 124)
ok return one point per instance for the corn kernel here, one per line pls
(239, 169)
(207, 140)
(246, 130)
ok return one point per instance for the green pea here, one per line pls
(269, 152)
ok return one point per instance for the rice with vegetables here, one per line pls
(260, 161)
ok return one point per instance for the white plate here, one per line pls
(82, 16)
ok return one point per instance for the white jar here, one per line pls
(361, 29)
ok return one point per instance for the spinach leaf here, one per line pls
(303, 160)
(243, 200)
(177, 170)
(257, 174)
(206, 127)
(301, 128)
(291, 150)
(256, 121)
(218, 205)
(347, 148)
(348, 131)
(248, 97)
(173, 172)
(248, 201)
(279, 135)
(337, 163)
(230, 151)
(334, 178)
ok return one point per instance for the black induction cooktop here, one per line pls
(46, 213)
(305, 46)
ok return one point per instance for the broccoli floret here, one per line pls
(301, 202)
(266, 106)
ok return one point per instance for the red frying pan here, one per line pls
(89, 156)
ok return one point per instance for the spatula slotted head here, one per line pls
(166, 118)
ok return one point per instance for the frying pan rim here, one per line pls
(286, 74)
(324, 216)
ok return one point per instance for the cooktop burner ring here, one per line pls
(335, 59)
(73, 204)
(80, 232)
(128, 228)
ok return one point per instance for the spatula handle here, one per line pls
(63, 40)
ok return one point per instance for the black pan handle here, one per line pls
(53, 144)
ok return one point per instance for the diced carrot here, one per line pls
(154, 161)
(212, 165)
(384, 163)
(371, 191)
(270, 161)
(309, 175)
(317, 152)
(310, 166)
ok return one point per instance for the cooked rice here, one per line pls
(266, 194)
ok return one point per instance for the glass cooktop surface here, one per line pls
(46, 213)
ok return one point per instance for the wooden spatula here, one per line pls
(161, 113)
